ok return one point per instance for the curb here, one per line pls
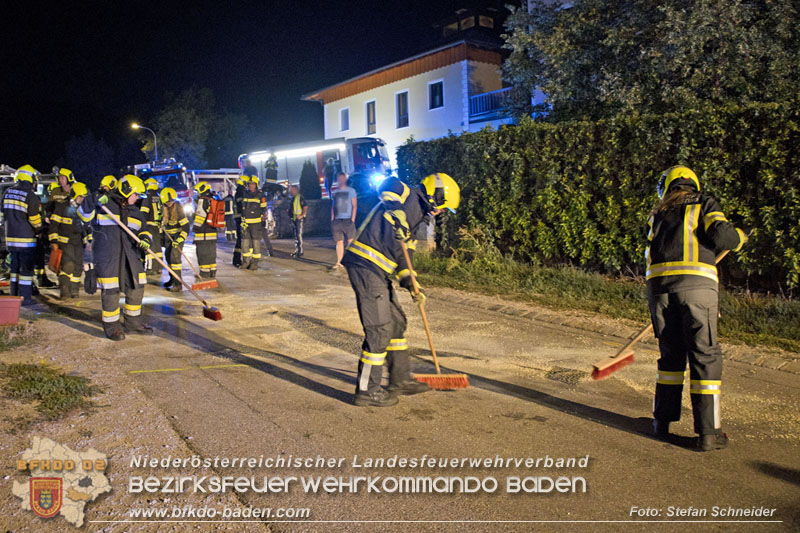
(520, 310)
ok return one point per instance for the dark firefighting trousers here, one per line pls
(251, 244)
(265, 235)
(207, 255)
(384, 324)
(42, 246)
(21, 281)
(71, 269)
(153, 266)
(173, 255)
(297, 227)
(685, 324)
(133, 303)
(237, 248)
(230, 228)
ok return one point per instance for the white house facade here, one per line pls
(453, 88)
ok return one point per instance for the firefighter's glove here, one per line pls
(401, 230)
(418, 297)
(87, 239)
(103, 200)
(244, 225)
(179, 240)
(144, 245)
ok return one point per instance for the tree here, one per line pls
(309, 182)
(89, 157)
(192, 129)
(597, 58)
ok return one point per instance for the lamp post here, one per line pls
(155, 140)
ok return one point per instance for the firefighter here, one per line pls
(297, 210)
(68, 231)
(118, 258)
(254, 208)
(230, 223)
(237, 218)
(107, 184)
(151, 208)
(205, 235)
(176, 226)
(372, 259)
(23, 222)
(686, 231)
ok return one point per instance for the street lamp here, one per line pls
(136, 126)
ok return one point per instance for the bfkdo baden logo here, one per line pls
(61, 481)
(46, 495)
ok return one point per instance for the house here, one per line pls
(453, 87)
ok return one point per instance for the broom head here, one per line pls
(210, 284)
(609, 365)
(443, 381)
(212, 313)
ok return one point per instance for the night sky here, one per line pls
(99, 66)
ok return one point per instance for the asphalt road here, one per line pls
(276, 377)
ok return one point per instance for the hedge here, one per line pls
(579, 192)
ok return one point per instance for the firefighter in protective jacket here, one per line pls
(23, 223)
(151, 208)
(686, 231)
(118, 258)
(176, 228)
(205, 235)
(69, 231)
(237, 218)
(254, 209)
(372, 259)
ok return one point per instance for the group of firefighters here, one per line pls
(687, 230)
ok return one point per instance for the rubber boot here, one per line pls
(44, 282)
(213, 274)
(64, 290)
(660, 428)
(715, 441)
(379, 398)
(114, 331)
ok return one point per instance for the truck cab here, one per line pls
(169, 173)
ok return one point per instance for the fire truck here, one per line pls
(170, 173)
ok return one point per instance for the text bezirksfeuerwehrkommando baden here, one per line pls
(418, 475)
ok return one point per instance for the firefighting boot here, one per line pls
(114, 331)
(64, 290)
(379, 398)
(44, 282)
(74, 289)
(408, 387)
(253, 265)
(660, 428)
(401, 382)
(213, 274)
(136, 325)
(715, 441)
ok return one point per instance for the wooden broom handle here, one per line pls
(639, 336)
(116, 219)
(421, 305)
(196, 272)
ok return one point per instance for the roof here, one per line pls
(430, 60)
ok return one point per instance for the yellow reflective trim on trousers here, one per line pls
(667, 377)
(397, 345)
(705, 386)
(373, 255)
(374, 359)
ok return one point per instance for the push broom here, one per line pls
(212, 313)
(437, 380)
(608, 365)
(210, 284)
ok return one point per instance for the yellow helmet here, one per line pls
(67, 173)
(241, 180)
(26, 173)
(151, 184)
(442, 190)
(109, 182)
(678, 172)
(79, 189)
(130, 184)
(168, 194)
(202, 187)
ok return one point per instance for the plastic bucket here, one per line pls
(9, 310)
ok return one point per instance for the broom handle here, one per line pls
(116, 219)
(183, 254)
(639, 336)
(415, 285)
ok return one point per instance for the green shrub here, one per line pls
(578, 193)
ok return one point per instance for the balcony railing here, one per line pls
(486, 104)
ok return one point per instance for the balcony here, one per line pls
(489, 106)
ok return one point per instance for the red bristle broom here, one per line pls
(438, 380)
(200, 285)
(212, 313)
(608, 365)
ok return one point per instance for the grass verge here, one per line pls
(54, 392)
(13, 336)
(746, 318)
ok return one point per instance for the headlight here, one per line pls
(377, 179)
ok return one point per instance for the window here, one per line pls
(467, 23)
(402, 109)
(371, 128)
(344, 119)
(486, 22)
(436, 95)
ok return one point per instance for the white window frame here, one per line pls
(408, 105)
(366, 116)
(341, 110)
(441, 80)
